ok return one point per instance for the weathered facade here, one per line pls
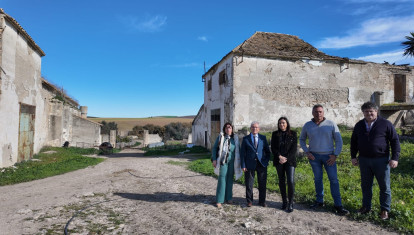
(272, 75)
(26, 107)
(67, 122)
(22, 122)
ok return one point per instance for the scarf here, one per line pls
(225, 151)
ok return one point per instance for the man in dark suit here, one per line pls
(255, 155)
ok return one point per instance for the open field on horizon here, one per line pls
(126, 124)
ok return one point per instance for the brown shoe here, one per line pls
(230, 202)
(219, 205)
(249, 204)
(384, 215)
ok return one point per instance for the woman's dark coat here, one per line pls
(291, 145)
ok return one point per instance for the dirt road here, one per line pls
(132, 194)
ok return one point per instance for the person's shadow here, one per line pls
(198, 198)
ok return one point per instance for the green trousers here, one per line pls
(225, 181)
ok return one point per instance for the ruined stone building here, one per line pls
(67, 121)
(30, 116)
(271, 75)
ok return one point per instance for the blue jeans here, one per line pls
(378, 167)
(320, 160)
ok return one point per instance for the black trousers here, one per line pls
(261, 179)
(286, 171)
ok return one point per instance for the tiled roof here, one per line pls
(278, 45)
(23, 32)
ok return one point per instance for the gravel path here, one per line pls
(132, 194)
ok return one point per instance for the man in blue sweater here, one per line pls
(322, 152)
(372, 138)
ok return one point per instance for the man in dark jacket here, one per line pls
(372, 138)
(254, 156)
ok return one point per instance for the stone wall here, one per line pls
(85, 133)
(151, 138)
(199, 127)
(266, 89)
(263, 90)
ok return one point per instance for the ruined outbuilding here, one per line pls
(30, 117)
(271, 75)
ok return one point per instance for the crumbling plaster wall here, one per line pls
(221, 95)
(199, 127)
(20, 84)
(66, 124)
(85, 133)
(265, 89)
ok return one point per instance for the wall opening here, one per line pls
(400, 87)
(205, 138)
(222, 77)
(215, 125)
(26, 132)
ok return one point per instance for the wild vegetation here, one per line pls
(402, 185)
(126, 124)
(108, 126)
(173, 130)
(49, 162)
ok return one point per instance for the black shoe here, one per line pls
(363, 210)
(340, 210)
(290, 207)
(284, 206)
(263, 204)
(317, 205)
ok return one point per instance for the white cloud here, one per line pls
(149, 24)
(390, 56)
(203, 38)
(372, 32)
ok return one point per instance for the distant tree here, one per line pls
(152, 129)
(177, 131)
(409, 45)
(137, 130)
(108, 126)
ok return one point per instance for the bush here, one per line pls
(125, 139)
(108, 126)
(152, 129)
(177, 131)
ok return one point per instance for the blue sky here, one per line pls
(130, 58)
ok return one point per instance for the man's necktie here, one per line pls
(255, 141)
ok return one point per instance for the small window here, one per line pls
(215, 115)
(209, 85)
(222, 77)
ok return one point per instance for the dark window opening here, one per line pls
(215, 115)
(222, 77)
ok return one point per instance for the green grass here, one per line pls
(60, 161)
(402, 185)
(137, 144)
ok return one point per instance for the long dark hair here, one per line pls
(287, 127)
(232, 129)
